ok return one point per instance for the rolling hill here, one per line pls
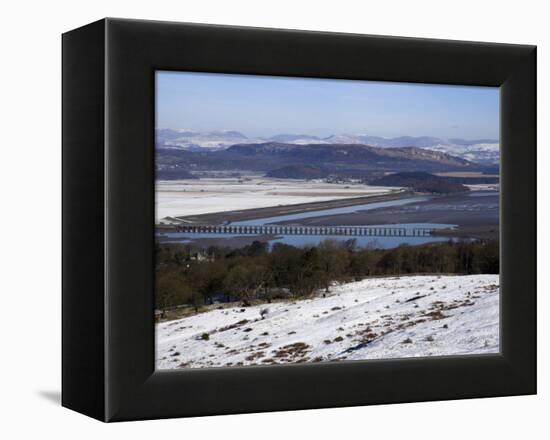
(485, 151)
(420, 181)
(341, 159)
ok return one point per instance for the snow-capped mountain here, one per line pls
(193, 140)
(484, 151)
(298, 139)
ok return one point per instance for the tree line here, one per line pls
(188, 275)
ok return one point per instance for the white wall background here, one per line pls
(31, 216)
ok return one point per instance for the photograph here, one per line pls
(302, 219)
(305, 220)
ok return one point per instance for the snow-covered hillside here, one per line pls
(486, 153)
(375, 318)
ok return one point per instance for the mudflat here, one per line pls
(272, 211)
(475, 215)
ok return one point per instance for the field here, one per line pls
(210, 195)
(391, 317)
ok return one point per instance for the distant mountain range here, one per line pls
(306, 161)
(482, 151)
(194, 140)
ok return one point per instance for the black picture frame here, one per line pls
(108, 219)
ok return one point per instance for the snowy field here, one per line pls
(192, 197)
(376, 318)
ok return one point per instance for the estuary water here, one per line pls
(332, 211)
(458, 205)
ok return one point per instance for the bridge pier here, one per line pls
(305, 230)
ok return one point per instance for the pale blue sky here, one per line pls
(268, 105)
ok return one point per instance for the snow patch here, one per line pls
(377, 318)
